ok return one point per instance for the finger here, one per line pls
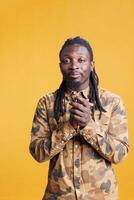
(79, 106)
(77, 118)
(81, 110)
(77, 112)
(84, 101)
(91, 104)
(81, 121)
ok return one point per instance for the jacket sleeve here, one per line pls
(110, 140)
(44, 143)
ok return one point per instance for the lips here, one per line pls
(74, 75)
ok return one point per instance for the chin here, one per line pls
(75, 84)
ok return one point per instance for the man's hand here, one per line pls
(80, 112)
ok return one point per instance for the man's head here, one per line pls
(77, 67)
(76, 63)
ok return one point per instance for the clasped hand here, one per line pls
(80, 113)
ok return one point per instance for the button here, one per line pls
(77, 163)
(71, 135)
(84, 134)
(77, 182)
(76, 146)
(62, 141)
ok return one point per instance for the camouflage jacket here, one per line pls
(80, 165)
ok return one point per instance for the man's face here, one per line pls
(76, 66)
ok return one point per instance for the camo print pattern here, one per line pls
(80, 161)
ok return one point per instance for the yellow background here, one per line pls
(31, 35)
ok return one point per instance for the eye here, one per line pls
(66, 61)
(82, 60)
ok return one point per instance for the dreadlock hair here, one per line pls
(59, 105)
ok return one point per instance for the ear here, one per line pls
(92, 65)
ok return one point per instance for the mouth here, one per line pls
(74, 75)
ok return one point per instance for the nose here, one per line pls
(74, 65)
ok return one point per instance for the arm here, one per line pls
(110, 142)
(45, 144)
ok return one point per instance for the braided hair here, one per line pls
(59, 105)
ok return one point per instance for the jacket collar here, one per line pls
(84, 93)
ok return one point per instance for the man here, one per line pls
(81, 129)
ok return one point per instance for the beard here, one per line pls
(76, 83)
(73, 84)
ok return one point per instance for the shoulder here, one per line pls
(108, 93)
(109, 97)
(47, 99)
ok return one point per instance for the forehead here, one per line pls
(75, 49)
